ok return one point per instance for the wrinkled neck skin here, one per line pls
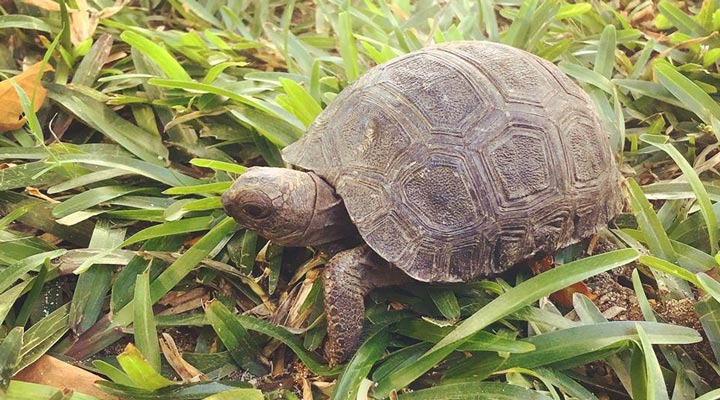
(329, 221)
(302, 209)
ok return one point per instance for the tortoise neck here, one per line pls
(329, 221)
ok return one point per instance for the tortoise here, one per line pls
(451, 163)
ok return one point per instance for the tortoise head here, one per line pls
(289, 207)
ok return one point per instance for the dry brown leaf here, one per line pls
(49, 5)
(53, 372)
(295, 319)
(278, 365)
(186, 306)
(307, 390)
(11, 112)
(85, 19)
(115, 57)
(185, 370)
(645, 15)
(176, 298)
(399, 12)
(35, 192)
(50, 238)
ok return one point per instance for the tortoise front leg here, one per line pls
(349, 276)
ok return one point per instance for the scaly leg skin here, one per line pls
(349, 276)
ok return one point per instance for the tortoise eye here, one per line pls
(255, 211)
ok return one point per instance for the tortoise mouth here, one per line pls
(229, 205)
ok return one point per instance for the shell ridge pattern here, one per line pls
(462, 159)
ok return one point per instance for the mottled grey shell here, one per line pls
(460, 160)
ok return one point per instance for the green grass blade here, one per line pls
(517, 33)
(187, 225)
(485, 341)
(248, 252)
(144, 330)
(713, 395)
(489, 20)
(573, 10)
(708, 310)
(43, 335)
(90, 198)
(585, 75)
(24, 22)
(86, 180)
(272, 254)
(93, 284)
(15, 271)
(133, 166)
(113, 373)
(31, 300)
(277, 130)
(29, 112)
(643, 302)
(123, 285)
(710, 285)
(649, 223)
(205, 88)
(605, 58)
(566, 383)
(642, 60)
(210, 203)
(98, 116)
(188, 391)
(473, 390)
(219, 165)
(669, 268)
(586, 342)
(299, 102)
(680, 20)
(9, 297)
(143, 375)
(359, 366)
(235, 337)
(9, 356)
(19, 390)
(655, 383)
(234, 394)
(190, 259)
(173, 274)
(693, 179)
(446, 302)
(514, 299)
(164, 60)
(650, 89)
(214, 188)
(89, 68)
(688, 93)
(309, 359)
(348, 47)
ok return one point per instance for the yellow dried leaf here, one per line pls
(84, 20)
(35, 192)
(11, 112)
(49, 5)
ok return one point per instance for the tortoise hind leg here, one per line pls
(349, 276)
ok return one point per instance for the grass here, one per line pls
(155, 110)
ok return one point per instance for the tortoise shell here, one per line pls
(460, 160)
